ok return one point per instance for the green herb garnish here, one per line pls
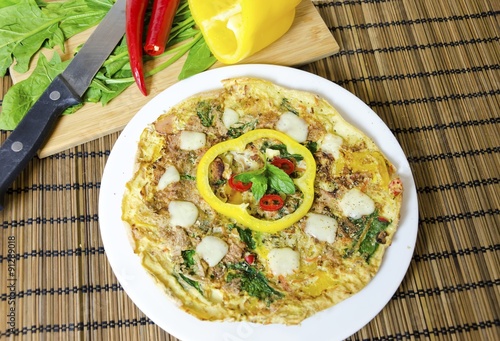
(253, 282)
(192, 283)
(267, 177)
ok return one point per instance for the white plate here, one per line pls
(335, 323)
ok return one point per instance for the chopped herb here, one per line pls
(369, 244)
(192, 283)
(286, 105)
(246, 237)
(187, 256)
(283, 151)
(312, 146)
(241, 128)
(204, 112)
(253, 282)
(187, 177)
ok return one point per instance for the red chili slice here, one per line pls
(271, 202)
(285, 165)
(239, 185)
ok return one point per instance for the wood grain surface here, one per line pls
(308, 39)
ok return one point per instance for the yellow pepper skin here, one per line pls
(305, 183)
(236, 29)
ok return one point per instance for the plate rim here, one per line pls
(133, 277)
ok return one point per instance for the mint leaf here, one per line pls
(279, 180)
(259, 186)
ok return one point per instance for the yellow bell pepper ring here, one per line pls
(239, 212)
(236, 29)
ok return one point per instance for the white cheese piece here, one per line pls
(182, 213)
(331, 144)
(283, 261)
(356, 204)
(293, 126)
(271, 153)
(212, 250)
(245, 159)
(321, 227)
(170, 176)
(192, 140)
(229, 117)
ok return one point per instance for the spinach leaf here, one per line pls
(369, 244)
(21, 96)
(198, 59)
(246, 237)
(204, 112)
(187, 256)
(283, 151)
(286, 105)
(25, 27)
(240, 128)
(253, 282)
(192, 283)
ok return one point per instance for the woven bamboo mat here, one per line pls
(430, 69)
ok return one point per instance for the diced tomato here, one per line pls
(239, 185)
(271, 202)
(285, 165)
(250, 258)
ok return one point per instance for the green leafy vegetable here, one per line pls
(28, 25)
(246, 237)
(204, 112)
(199, 59)
(283, 151)
(267, 177)
(312, 146)
(187, 256)
(192, 283)
(21, 96)
(240, 128)
(253, 282)
(25, 27)
(286, 105)
(369, 244)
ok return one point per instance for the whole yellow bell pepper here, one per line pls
(236, 29)
(238, 212)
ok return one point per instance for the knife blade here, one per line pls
(64, 91)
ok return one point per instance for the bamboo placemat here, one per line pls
(430, 69)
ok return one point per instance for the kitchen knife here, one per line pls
(65, 90)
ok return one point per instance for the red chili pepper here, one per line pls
(250, 258)
(160, 25)
(271, 202)
(284, 164)
(135, 11)
(239, 185)
(383, 219)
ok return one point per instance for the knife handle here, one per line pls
(29, 135)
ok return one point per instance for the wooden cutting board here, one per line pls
(308, 39)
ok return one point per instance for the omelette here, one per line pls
(259, 203)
